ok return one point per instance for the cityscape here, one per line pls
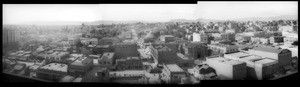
(176, 51)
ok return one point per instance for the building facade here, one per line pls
(232, 69)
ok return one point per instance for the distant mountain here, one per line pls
(53, 23)
(283, 17)
(79, 23)
(111, 22)
(182, 20)
(197, 20)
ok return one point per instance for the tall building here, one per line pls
(10, 36)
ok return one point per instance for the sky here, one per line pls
(24, 13)
(237, 10)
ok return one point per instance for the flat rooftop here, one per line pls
(56, 67)
(76, 55)
(82, 61)
(174, 68)
(239, 54)
(266, 62)
(107, 55)
(226, 61)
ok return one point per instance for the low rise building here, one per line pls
(232, 69)
(284, 56)
(276, 39)
(167, 38)
(258, 68)
(52, 71)
(223, 48)
(129, 63)
(172, 73)
(107, 59)
(125, 50)
(80, 66)
(194, 50)
(203, 72)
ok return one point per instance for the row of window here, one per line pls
(125, 75)
(104, 62)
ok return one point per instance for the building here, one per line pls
(10, 35)
(258, 68)
(127, 67)
(54, 55)
(194, 50)
(52, 71)
(153, 76)
(167, 55)
(108, 41)
(205, 38)
(100, 49)
(293, 49)
(203, 72)
(128, 63)
(89, 41)
(103, 74)
(284, 56)
(223, 48)
(107, 59)
(290, 37)
(233, 69)
(126, 73)
(167, 38)
(276, 39)
(172, 73)
(80, 66)
(286, 28)
(10, 38)
(19, 68)
(196, 37)
(125, 50)
(228, 36)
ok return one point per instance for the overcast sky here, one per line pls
(18, 13)
(236, 10)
